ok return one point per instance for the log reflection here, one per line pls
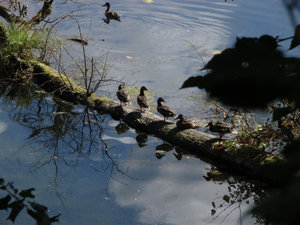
(63, 132)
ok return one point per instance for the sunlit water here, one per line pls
(131, 183)
(169, 41)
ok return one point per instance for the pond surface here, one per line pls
(90, 168)
(94, 170)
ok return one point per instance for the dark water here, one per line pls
(89, 167)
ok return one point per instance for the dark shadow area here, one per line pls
(16, 201)
(162, 149)
(253, 74)
(239, 192)
(122, 128)
(141, 139)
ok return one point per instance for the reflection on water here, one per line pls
(88, 167)
(16, 201)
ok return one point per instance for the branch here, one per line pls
(41, 15)
(9, 16)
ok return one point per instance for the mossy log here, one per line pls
(248, 161)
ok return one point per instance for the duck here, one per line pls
(111, 14)
(142, 99)
(122, 95)
(183, 124)
(165, 110)
(220, 127)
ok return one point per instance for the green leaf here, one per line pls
(229, 143)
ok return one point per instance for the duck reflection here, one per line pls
(122, 128)
(179, 152)
(141, 139)
(162, 149)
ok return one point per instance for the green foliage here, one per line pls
(22, 41)
(26, 43)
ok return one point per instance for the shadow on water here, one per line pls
(15, 201)
(239, 191)
(70, 133)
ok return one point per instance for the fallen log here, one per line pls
(248, 161)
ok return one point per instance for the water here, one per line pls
(91, 173)
(161, 39)
(85, 168)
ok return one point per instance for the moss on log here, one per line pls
(3, 34)
(248, 161)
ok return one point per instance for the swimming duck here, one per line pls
(220, 127)
(185, 124)
(164, 110)
(142, 99)
(122, 95)
(111, 14)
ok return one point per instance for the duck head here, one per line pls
(180, 117)
(106, 4)
(160, 100)
(209, 124)
(143, 88)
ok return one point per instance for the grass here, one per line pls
(27, 43)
